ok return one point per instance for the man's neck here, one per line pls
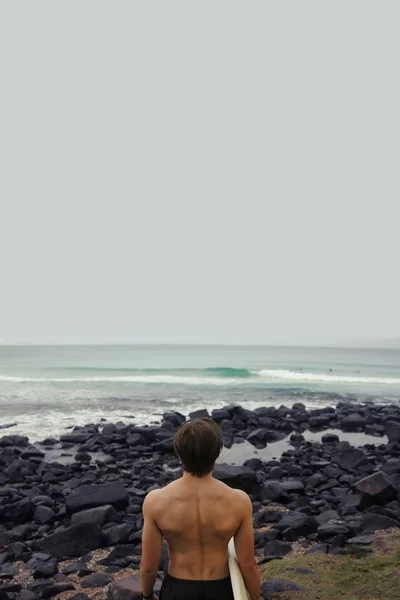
(195, 480)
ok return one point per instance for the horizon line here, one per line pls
(352, 346)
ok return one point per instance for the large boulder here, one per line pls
(374, 522)
(319, 422)
(99, 516)
(96, 580)
(75, 438)
(17, 512)
(243, 478)
(277, 548)
(353, 422)
(300, 523)
(19, 441)
(165, 446)
(90, 496)
(219, 415)
(74, 541)
(175, 418)
(43, 515)
(376, 488)
(392, 429)
(330, 438)
(202, 413)
(258, 436)
(262, 435)
(330, 530)
(350, 459)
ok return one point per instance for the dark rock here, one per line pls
(99, 516)
(298, 407)
(28, 595)
(49, 442)
(73, 541)
(21, 532)
(117, 534)
(330, 530)
(330, 438)
(199, 414)
(175, 418)
(319, 422)
(119, 552)
(353, 422)
(96, 580)
(392, 429)
(270, 515)
(242, 478)
(90, 496)
(165, 446)
(125, 589)
(328, 515)
(362, 540)
(45, 568)
(75, 438)
(374, 522)
(83, 457)
(281, 491)
(219, 415)
(32, 453)
(79, 567)
(17, 512)
(276, 473)
(300, 523)
(39, 586)
(377, 488)
(57, 588)
(19, 441)
(263, 435)
(272, 587)
(43, 515)
(277, 548)
(350, 458)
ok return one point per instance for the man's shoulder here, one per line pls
(238, 496)
(158, 495)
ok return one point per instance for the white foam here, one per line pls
(173, 379)
(319, 377)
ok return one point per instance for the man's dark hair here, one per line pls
(198, 444)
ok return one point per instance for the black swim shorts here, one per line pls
(188, 589)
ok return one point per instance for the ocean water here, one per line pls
(46, 389)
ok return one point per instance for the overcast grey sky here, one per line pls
(199, 172)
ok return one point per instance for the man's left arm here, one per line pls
(152, 540)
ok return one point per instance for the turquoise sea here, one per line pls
(44, 389)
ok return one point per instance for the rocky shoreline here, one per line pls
(70, 509)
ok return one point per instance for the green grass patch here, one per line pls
(373, 577)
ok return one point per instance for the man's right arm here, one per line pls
(244, 546)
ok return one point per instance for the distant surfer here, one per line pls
(198, 515)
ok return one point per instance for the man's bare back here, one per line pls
(198, 518)
(197, 515)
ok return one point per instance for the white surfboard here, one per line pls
(238, 587)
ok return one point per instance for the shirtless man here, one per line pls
(197, 515)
